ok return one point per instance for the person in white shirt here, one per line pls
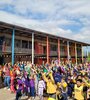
(41, 87)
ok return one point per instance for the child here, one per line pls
(87, 83)
(19, 92)
(27, 85)
(41, 87)
(70, 87)
(78, 90)
(12, 82)
(1, 77)
(32, 87)
(7, 77)
(51, 86)
(64, 89)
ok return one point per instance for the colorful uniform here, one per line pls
(78, 93)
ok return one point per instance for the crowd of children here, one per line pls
(56, 81)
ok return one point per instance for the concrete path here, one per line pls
(7, 95)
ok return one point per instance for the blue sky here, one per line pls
(66, 18)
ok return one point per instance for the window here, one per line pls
(17, 43)
(44, 49)
(78, 51)
(53, 47)
(62, 48)
(24, 44)
(30, 44)
(70, 50)
(1, 40)
(8, 41)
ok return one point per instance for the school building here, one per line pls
(23, 44)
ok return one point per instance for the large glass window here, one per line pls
(24, 44)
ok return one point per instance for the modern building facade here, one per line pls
(23, 44)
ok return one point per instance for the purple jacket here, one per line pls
(27, 82)
(19, 81)
(32, 83)
(20, 84)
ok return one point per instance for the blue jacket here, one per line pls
(57, 77)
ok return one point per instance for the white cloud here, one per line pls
(85, 21)
(84, 34)
(58, 13)
(77, 8)
(5, 1)
(49, 27)
(35, 6)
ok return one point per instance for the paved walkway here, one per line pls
(7, 95)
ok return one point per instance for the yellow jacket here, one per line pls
(87, 84)
(51, 87)
(78, 91)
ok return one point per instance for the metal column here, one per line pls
(13, 40)
(47, 50)
(87, 51)
(82, 52)
(68, 53)
(59, 50)
(32, 48)
(76, 53)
